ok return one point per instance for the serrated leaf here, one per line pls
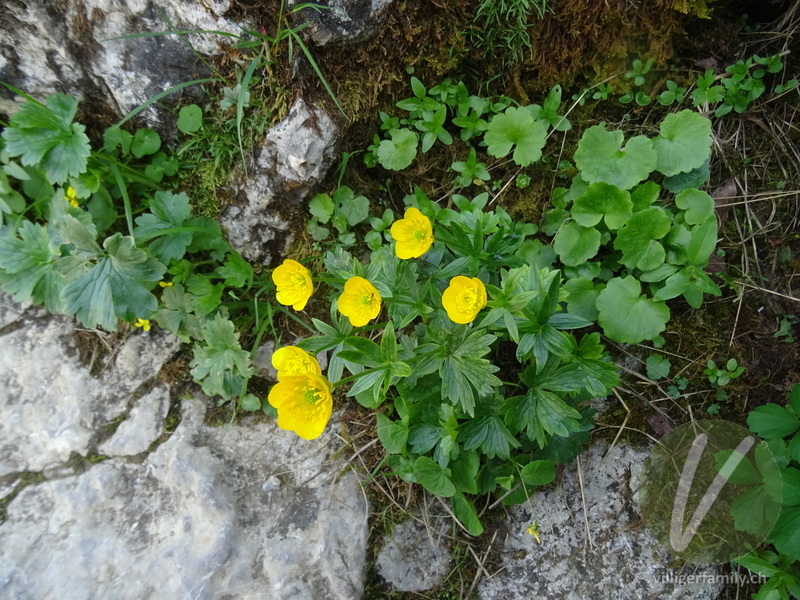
(220, 363)
(638, 239)
(321, 207)
(117, 286)
(399, 152)
(236, 271)
(392, 435)
(167, 211)
(603, 201)
(575, 244)
(433, 478)
(177, 313)
(626, 316)
(786, 533)
(601, 157)
(516, 128)
(772, 421)
(490, 435)
(684, 143)
(698, 205)
(28, 266)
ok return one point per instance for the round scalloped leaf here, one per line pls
(627, 316)
(644, 195)
(396, 154)
(516, 127)
(601, 157)
(637, 240)
(695, 178)
(575, 244)
(582, 297)
(684, 143)
(698, 205)
(603, 200)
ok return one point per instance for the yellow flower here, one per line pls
(291, 360)
(143, 323)
(464, 298)
(413, 234)
(360, 302)
(533, 530)
(304, 404)
(166, 284)
(72, 197)
(294, 284)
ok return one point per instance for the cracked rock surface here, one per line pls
(243, 511)
(618, 559)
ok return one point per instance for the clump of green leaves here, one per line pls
(91, 233)
(779, 425)
(453, 424)
(501, 27)
(626, 246)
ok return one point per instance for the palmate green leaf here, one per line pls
(603, 201)
(786, 533)
(540, 413)
(392, 435)
(516, 127)
(177, 314)
(28, 266)
(575, 244)
(698, 205)
(321, 207)
(695, 178)
(772, 421)
(59, 153)
(355, 209)
(116, 286)
(398, 153)
(684, 143)
(167, 211)
(236, 271)
(220, 363)
(601, 157)
(488, 434)
(628, 317)
(464, 371)
(638, 239)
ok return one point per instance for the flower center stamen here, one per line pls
(467, 300)
(311, 396)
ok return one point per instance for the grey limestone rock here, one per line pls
(620, 558)
(345, 20)
(143, 426)
(414, 557)
(50, 406)
(69, 46)
(245, 511)
(295, 156)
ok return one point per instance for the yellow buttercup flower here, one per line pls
(291, 360)
(143, 323)
(294, 284)
(72, 197)
(464, 298)
(413, 234)
(304, 404)
(360, 302)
